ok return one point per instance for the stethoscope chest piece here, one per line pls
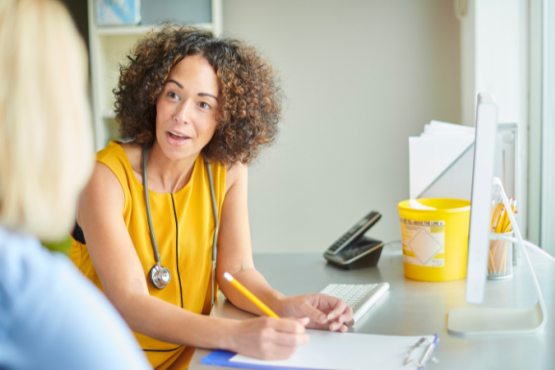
(159, 276)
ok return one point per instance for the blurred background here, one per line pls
(360, 77)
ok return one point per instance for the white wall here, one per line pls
(500, 55)
(468, 70)
(494, 56)
(535, 124)
(360, 77)
(548, 128)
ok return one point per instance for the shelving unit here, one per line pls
(109, 47)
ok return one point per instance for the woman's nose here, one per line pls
(184, 112)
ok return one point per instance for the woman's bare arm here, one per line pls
(123, 280)
(234, 246)
(235, 257)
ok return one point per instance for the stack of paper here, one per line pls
(440, 161)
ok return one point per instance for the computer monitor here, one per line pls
(470, 321)
(482, 176)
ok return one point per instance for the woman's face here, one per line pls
(186, 109)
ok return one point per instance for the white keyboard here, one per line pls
(360, 297)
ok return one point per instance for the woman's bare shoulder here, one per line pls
(235, 173)
(134, 154)
(102, 191)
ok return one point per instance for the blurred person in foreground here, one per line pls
(46, 157)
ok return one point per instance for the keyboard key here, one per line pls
(360, 297)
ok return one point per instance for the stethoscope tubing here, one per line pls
(152, 237)
(214, 210)
(217, 225)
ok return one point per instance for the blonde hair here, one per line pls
(46, 152)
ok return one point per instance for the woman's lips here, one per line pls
(176, 139)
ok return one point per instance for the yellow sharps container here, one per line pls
(435, 242)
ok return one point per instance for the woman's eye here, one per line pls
(173, 95)
(204, 105)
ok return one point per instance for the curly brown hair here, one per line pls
(249, 101)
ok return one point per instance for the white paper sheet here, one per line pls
(429, 157)
(438, 129)
(348, 351)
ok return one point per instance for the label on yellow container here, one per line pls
(423, 242)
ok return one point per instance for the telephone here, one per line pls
(354, 250)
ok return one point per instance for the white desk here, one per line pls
(418, 308)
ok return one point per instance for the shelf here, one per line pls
(139, 29)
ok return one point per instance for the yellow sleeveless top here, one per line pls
(184, 228)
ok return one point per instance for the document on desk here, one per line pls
(347, 351)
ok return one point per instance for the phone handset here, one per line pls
(354, 233)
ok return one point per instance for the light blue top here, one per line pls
(43, 300)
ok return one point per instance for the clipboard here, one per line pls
(349, 351)
(222, 358)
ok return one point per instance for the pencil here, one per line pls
(249, 295)
(500, 218)
(500, 224)
(491, 266)
(495, 217)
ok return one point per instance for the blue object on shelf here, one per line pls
(118, 12)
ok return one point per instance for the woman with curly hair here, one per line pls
(196, 110)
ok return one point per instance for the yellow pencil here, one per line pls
(500, 221)
(495, 217)
(249, 295)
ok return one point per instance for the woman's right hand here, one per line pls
(267, 338)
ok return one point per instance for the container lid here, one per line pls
(440, 205)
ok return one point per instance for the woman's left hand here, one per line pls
(324, 311)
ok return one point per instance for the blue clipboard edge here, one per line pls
(222, 358)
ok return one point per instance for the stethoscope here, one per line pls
(160, 276)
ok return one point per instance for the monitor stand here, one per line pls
(480, 321)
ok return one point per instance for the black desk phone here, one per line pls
(353, 249)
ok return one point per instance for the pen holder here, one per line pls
(500, 259)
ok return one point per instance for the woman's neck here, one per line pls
(166, 175)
